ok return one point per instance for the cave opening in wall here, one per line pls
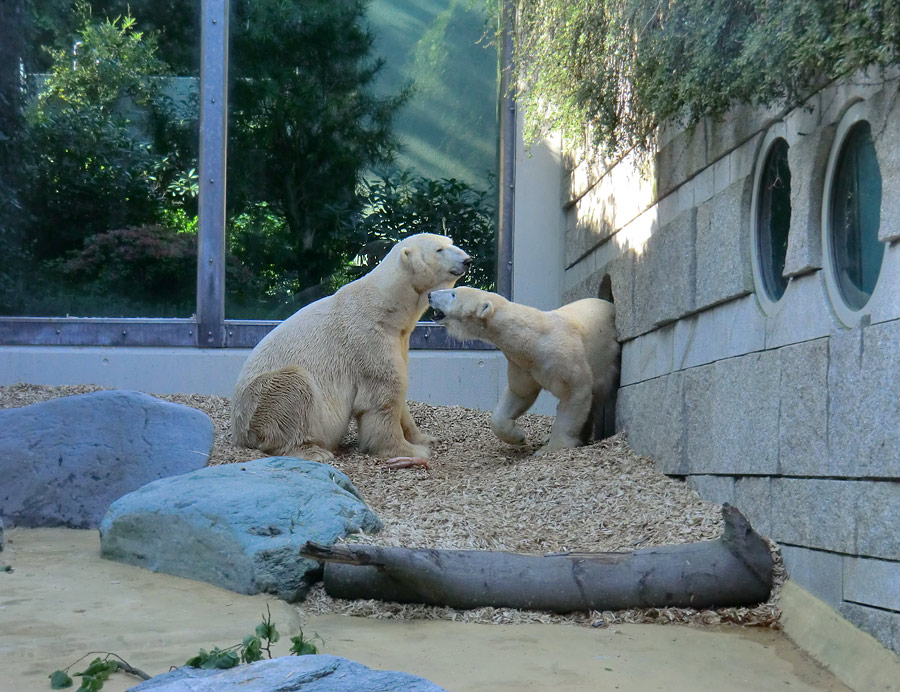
(773, 219)
(854, 216)
(605, 418)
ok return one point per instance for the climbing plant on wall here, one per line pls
(618, 68)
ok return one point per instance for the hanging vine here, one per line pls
(616, 69)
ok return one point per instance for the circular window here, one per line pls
(770, 218)
(853, 215)
(773, 219)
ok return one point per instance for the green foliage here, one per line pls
(619, 68)
(98, 672)
(300, 646)
(59, 680)
(92, 677)
(305, 127)
(86, 154)
(249, 650)
(400, 204)
(215, 659)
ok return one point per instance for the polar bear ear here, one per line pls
(484, 310)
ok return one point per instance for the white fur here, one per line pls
(345, 356)
(571, 352)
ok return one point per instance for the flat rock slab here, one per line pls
(238, 526)
(64, 461)
(318, 673)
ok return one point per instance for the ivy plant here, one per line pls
(616, 69)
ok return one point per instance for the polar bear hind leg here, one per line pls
(572, 413)
(281, 424)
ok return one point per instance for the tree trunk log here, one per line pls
(733, 570)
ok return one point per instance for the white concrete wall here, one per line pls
(538, 247)
(461, 378)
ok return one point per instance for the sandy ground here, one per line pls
(481, 493)
(61, 601)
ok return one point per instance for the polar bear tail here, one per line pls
(271, 411)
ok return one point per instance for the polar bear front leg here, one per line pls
(571, 414)
(381, 435)
(411, 431)
(521, 391)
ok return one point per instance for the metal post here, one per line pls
(213, 150)
(507, 153)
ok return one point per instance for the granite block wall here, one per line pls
(786, 409)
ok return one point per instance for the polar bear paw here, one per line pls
(509, 432)
(421, 438)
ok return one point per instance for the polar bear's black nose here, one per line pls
(467, 261)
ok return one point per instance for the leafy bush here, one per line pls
(400, 204)
(85, 150)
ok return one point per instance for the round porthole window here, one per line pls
(853, 217)
(771, 218)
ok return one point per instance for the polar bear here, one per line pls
(572, 352)
(345, 356)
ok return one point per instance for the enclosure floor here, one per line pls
(62, 601)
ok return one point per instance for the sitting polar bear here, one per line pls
(571, 352)
(345, 356)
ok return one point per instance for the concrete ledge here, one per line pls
(473, 379)
(855, 657)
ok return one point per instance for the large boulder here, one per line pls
(65, 460)
(320, 673)
(239, 526)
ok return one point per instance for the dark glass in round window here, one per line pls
(855, 217)
(773, 219)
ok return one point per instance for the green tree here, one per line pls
(305, 126)
(87, 149)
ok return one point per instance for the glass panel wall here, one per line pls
(98, 157)
(352, 125)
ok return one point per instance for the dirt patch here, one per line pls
(479, 493)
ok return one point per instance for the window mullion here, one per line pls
(213, 152)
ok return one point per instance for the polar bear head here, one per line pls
(430, 261)
(465, 311)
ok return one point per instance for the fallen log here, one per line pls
(733, 570)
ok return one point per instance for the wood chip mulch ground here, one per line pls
(479, 493)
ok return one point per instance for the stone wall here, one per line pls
(788, 410)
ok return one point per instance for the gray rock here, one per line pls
(1, 533)
(64, 461)
(238, 526)
(318, 673)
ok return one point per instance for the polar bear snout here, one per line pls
(463, 266)
(440, 301)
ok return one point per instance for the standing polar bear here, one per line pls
(572, 352)
(345, 356)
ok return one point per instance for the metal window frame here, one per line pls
(209, 328)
